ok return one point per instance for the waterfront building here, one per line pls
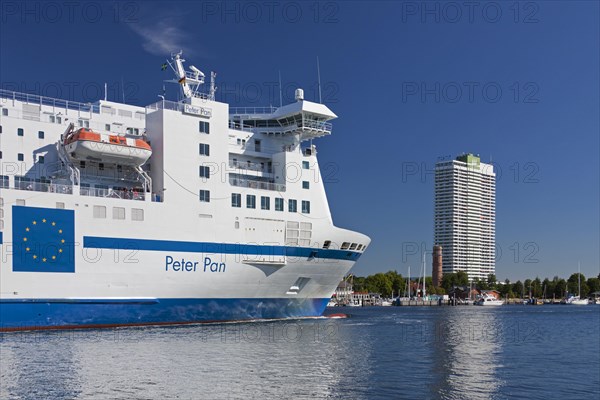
(465, 215)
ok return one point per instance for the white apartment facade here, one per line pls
(465, 215)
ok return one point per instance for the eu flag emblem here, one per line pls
(43, 239)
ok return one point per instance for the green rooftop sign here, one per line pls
(470, 159)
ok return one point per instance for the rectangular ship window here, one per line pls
(305, 207)
(292, 205)
(99, 212)
(137, 214)
(250, 201)
(204, 172)
(204, 149)
(204, 127)
(118, 213)
(265, 203)
(345, 245)
(236, 200)
(205, 196)
(278, 204)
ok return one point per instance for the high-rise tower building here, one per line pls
(465, 215)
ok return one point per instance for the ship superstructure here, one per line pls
(177, 212)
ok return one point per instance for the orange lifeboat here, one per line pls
(86, 145)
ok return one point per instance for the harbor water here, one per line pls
(507, 352)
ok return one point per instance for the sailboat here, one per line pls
(577, 300)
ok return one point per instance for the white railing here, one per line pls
(42, 187)
(255, 184)
(32, 185)
(251, 110)
(240, 127)
(112, 193)
(49, 101)
(250, 167)
(165, 105)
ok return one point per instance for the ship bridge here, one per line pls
(304, 118)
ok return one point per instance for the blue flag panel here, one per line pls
(44, 239)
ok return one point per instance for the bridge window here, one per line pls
(327, 244)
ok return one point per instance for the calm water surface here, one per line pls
(511, 352)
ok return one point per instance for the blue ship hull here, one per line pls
(35, 314)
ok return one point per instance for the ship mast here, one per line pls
(190, 81)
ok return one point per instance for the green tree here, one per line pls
(462, 278)
(379, 283)
(359, 284)
(517, 288)
(398, 282)
(448, 281)
(573, 284)
(536, 288)
(528, 287)
(593, 285)
(560, 288)
(491, 282)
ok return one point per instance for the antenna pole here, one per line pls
(123, 90)
(105, 91)
(280, 95)
(319, 79)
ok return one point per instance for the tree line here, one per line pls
(390, 282)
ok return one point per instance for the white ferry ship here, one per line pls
(178, 212)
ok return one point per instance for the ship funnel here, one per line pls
(299, 94)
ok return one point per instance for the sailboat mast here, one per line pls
(408, 283)
(579, 277)
(424, 285)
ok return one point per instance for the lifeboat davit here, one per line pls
(86, 145)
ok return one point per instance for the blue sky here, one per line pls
(516, 82)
